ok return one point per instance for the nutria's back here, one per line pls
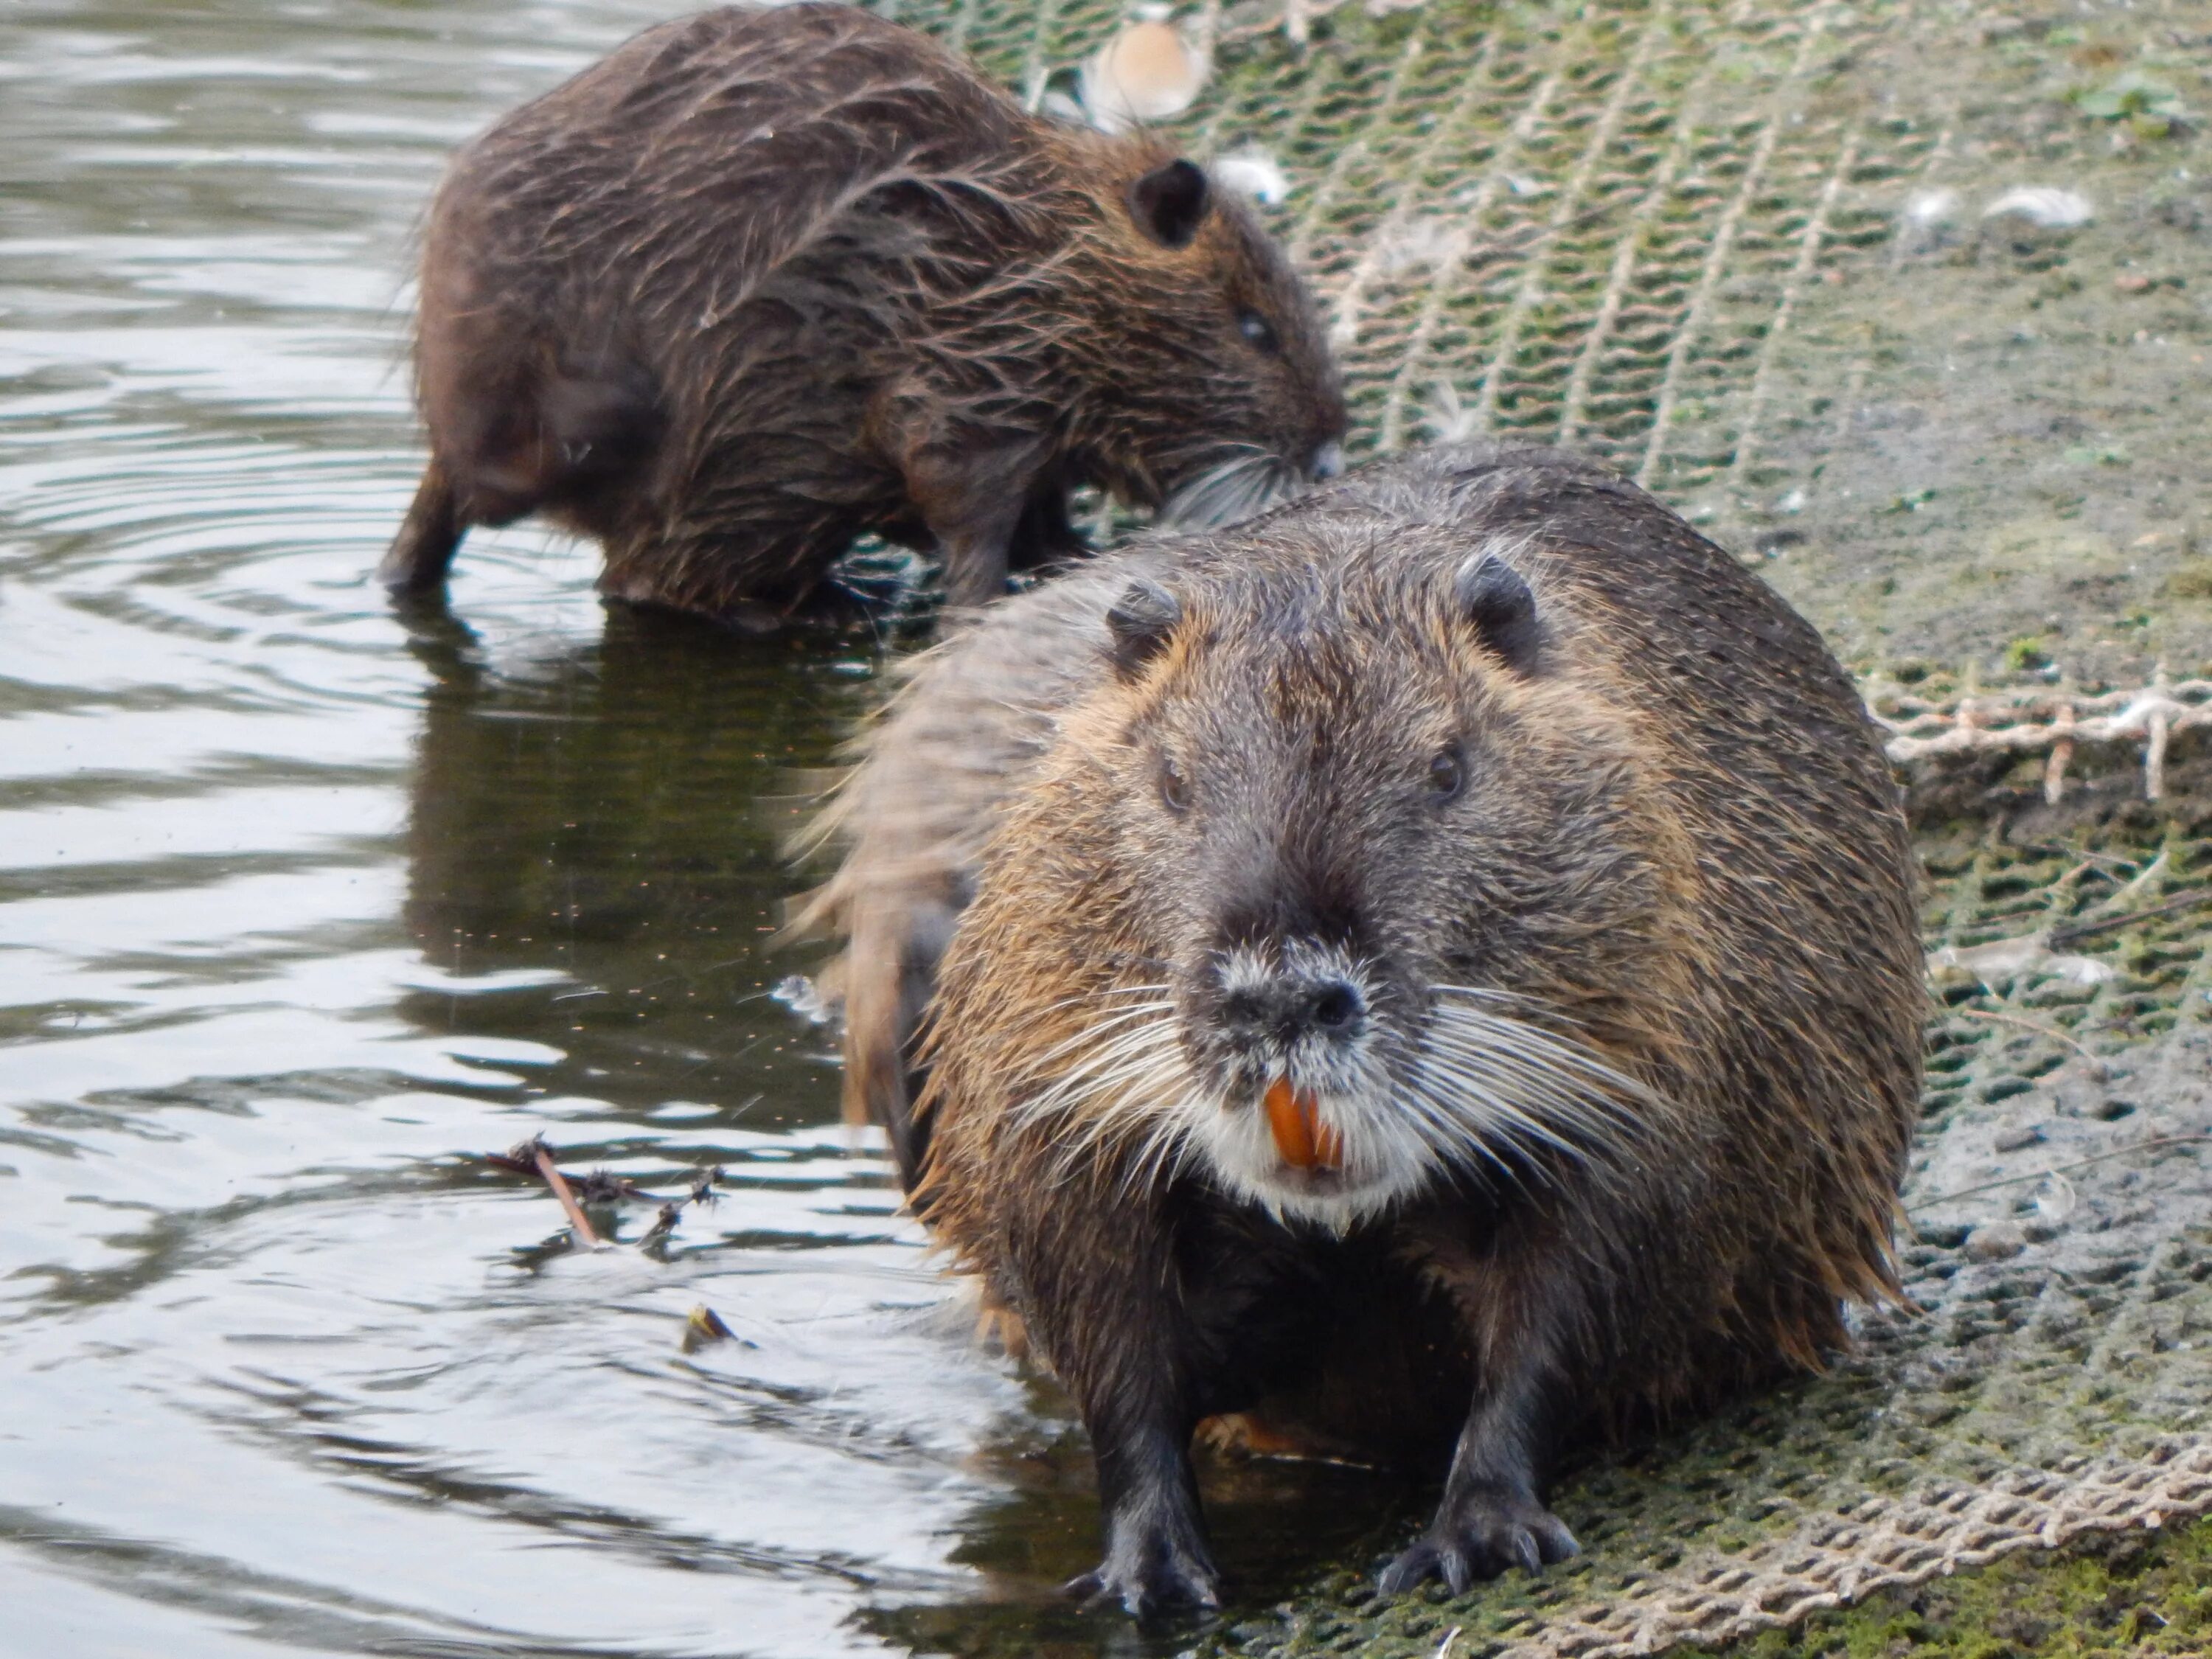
(767, 278)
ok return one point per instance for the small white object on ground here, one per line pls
(1931, 209)
(2040, 207)
(1147, 72)
(2003, 961)
(1252, 171)
(1429, 241)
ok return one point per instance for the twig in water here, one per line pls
(579, 1222)
(533, 1155)
(601, 1187)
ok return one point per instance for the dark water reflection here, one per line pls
(304, 904)
(600, 829)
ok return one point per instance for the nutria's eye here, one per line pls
(1259, 331)
(1447, 775)
(1175, 788)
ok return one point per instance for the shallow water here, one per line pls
(306, 904)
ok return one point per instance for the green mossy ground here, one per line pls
(2130, 1593)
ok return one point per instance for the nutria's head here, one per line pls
(1375, 858)
(1216, 382)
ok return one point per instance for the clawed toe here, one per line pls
(1480, 1539)
(1420, 1562)
(1163, 1584)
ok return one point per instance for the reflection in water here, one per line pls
(304, 905)
(604, 822)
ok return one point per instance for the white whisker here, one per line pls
(1505, 1085)
(1493, 1083)
(1246, 479)
(1091, 1032)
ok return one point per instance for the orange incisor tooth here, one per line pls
(1301, 1137)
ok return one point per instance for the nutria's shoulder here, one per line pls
(960, 729)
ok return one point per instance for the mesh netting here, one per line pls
(1745, 253)
(1907, 302)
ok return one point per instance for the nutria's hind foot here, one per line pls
(422, 551)
(1478, 1535)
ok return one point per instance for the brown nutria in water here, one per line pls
(767, 279)
(1439, 958)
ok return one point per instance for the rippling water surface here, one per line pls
(306, 904)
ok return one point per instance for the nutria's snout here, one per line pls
(1302, 1009)
(1295, 1106)
(1328, 461)
(1289, 1007)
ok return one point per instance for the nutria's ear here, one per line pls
(1169, 203)
(1493, 596)
(1140, 623)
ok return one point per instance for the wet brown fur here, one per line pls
(1690, 845)
(766, 279)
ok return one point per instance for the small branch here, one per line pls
(534, 1157)
(2113, 924)
(2079, 853)
(578, 1221)
(2040, 1030)
(1923, 1207)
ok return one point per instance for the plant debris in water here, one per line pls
(535, 1157)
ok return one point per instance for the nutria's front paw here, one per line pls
(1150, 1570)
(1478, 1536)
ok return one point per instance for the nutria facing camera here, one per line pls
(766, 279)
(1438, 959)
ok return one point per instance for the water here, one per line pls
(306, 904)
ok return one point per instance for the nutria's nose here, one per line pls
(1328, 461)
(1291, 1006)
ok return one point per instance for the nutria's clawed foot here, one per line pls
(1478, 1536)
(1152, 1570)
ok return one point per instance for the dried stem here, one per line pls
(2037, 1026)
(2082, 930)
(578, 1221)
(1926, 1205)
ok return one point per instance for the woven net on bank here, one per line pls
(1877, 293)
(1910, 303)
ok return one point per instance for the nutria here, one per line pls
(1439, 958)
(766, 279)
